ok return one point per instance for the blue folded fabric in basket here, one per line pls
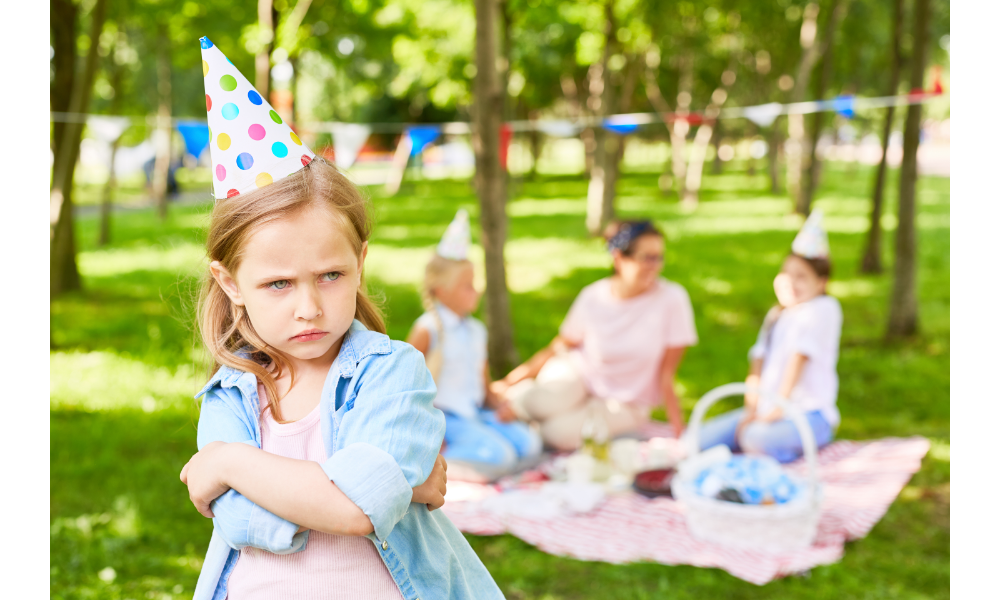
(756, 480)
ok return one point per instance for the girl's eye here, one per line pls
(330, 276)
(278, 285)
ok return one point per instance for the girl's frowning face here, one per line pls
(298, 281)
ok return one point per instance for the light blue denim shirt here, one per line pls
(382, 436)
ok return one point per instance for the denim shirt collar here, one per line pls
(358, 343)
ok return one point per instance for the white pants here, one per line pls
(560, 401)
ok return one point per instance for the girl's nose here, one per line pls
(309, 305)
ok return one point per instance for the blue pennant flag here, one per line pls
(195, 134)
(844, 105)
(620, 127)
(422, 135)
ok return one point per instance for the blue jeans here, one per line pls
(485, 439)
(779, 439)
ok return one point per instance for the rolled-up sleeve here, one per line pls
(389, 439)
(239, 521)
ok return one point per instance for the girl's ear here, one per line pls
(226, 281)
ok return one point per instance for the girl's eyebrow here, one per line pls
(281, 277)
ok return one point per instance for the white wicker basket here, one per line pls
(774, 527)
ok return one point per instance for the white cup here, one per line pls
(658, 453)
(579, 468)
(625, 455)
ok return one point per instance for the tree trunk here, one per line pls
(681, 126)
(535, 144)
(811, 168)
(617, 152)
(716, 142)
(773, 156)
(487, 115)
(871, 260)
(262, 61)
(63, 273)
(796, 127)
(104, 233)
(603, 177)
(692, 182)
(903, 305)
(63, 26)
(164, 127)
(662, 109)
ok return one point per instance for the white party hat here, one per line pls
(811, 241)
(456, 239)
(251, 145)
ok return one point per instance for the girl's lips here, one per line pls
(309, 336)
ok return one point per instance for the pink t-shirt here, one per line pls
(331, 566)
(623, 341)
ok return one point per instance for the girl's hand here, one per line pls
(203, 476)
(505, 414)
(775, 415)
(499, 387)
(432, 491)
(748, 417)
(751, 395)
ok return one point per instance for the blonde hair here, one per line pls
(440, 272)
(224, 326)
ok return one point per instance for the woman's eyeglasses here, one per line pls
(650, 259)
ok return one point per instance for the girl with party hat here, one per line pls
(795, 358)
(482, 433)
(318, 441)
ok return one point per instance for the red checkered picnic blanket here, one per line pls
(861, 480)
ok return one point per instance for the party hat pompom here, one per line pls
(455, 242)
(811, 242)
(251, 145)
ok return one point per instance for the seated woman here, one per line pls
(483, 437)
(616, 353)
(795, 358)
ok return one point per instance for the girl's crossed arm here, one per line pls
(296, 490)
(272, 526)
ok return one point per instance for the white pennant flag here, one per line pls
(348, 139)
(763, 114)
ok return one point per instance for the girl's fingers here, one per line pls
(184, 473)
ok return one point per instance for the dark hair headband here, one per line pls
(627, 234)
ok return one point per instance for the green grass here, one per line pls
(125, 365)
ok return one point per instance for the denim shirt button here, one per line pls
(385, 544)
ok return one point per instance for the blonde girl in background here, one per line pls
(318, 443)
(795, 358)
(481, 430)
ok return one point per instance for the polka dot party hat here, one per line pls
(811, 241)
(251, 146)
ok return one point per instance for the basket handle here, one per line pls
(791, 411)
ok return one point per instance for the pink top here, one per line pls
(331, 566)
(623, 341)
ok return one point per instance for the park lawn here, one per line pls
(125, 365)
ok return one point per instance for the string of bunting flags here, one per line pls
(350, 138)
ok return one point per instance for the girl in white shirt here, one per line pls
(795, 358)
(483, 436)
